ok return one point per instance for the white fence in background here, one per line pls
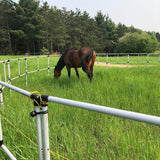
(128, 56)
(43, 136)
(7, 76)
(48, 67)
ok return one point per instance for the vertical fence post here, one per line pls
(106, 61)
(1, 95)
(117, 58)
(128, 61)
(48, 65)
(45, 127)
(4, 67)
(26, 70)
(138, 58)
(39, 133)
(98, 59)
(36, 113)
(147, 60)
(37, 63)
(43, 101)
(9, 73)
(19, 71)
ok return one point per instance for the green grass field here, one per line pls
(80, 134)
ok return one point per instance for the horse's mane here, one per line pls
(60, 64)
(85, 59)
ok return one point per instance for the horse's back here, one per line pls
(72, 58)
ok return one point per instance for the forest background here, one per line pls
(27, 27)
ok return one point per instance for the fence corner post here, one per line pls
(37, 113)
(45, 127)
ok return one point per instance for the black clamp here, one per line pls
(34, 113)
(44, 101)
(38, 102)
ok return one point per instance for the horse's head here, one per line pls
(57, 73)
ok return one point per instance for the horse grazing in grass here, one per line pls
(84, 57)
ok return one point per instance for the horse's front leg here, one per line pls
(76, 69)
(69, 71)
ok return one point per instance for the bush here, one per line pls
(138, 42)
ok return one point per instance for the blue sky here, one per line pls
(142, 14)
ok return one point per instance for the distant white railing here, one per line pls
(8, 78)
(128, 55)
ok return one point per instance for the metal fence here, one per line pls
(22, 62)
(43, 136)
(7, 65)
(119, 58)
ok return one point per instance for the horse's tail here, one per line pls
(85, 59)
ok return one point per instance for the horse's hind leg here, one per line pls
(91, 69)
(76, 69)
(90, 77)
(89, 74)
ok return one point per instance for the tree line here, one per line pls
(29, 27)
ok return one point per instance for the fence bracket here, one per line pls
(44, 101)
(34, 113)
(36, 100)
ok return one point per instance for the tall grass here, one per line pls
(81, 134)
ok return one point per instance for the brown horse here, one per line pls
(84, 57)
